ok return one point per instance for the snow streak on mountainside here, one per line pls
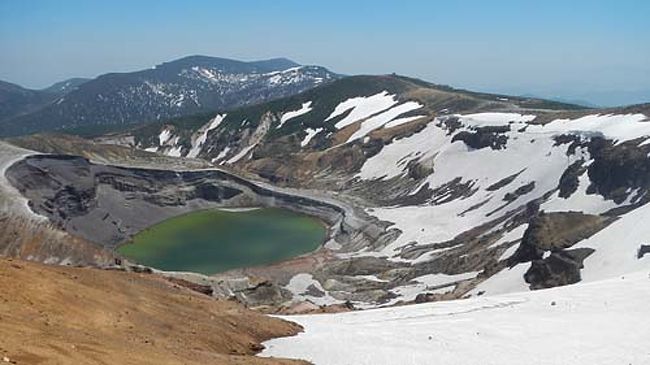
(603, 323)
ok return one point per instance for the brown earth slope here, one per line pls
(63, 315)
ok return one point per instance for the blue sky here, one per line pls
(574, 49)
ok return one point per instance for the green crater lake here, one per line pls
(212, 241)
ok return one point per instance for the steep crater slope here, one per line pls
(107, 204)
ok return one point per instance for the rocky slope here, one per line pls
(472, 185)
(185, 86)
(63, 315)
(26, 235)
(108, 204)
(445, 193)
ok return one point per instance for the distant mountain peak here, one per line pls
(188, 85)
(227, 65)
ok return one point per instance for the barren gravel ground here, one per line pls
(63, 315)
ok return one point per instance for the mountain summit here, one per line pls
(185, 86)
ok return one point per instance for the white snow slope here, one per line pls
(604, 322)
(531, 153)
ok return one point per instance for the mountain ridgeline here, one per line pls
(16, 100)
(182, 87)
(318, 119)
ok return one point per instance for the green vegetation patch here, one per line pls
(213, 241)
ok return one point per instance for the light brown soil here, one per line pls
(63, 315)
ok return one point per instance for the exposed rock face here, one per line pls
(643, 250)
(557, 231)
(522, 190)
(569, 179)
(560, 268)
(545, 244)
(503, 182)
(484, 137)
(619, 169)
(40, 240)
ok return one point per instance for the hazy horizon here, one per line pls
(587, 51)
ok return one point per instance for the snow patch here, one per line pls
(311, 133)
(202, 135)
(431, 283)
(305, 108)
(362, 107)
(617, 246)
(381, 119)
(619, 127)
(241, 154)
(164, 136)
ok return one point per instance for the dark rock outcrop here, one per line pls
(643, 249)
(560, 268)
(569, 180)
(555, 233)
(522, 190)
(618, 169)
(503, 182)
(483, 137)
(559, 230)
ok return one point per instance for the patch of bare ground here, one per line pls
(64, 315)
